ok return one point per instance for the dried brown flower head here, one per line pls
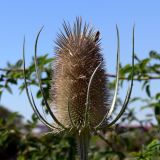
(78, 53)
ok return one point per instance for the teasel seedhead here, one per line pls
(80, 101)
(78, 54)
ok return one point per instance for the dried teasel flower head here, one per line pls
(78, 59)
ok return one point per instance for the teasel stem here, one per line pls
(83, 144)
(83, 136)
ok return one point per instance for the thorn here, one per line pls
(97, 36)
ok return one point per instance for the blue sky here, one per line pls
(19, 18)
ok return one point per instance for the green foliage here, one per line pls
(20, 141)
(13, 74)
(150, 152)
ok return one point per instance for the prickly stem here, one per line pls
(83, 144)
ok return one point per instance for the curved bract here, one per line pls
(31, 100)
(107, 115)
(129, 91)
(40, 84)
(86, 121)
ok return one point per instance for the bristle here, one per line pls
(78, 53)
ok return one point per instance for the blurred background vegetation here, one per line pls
(131, 138)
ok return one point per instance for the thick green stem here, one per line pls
(83, 144)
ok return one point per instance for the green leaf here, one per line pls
(143, 63)
(154, 55)
(8, 88)
(157, 112)
(19, 63)
(126, 69)
(12, 81)
(144, 84)
(148, 90)
(39, 95)
(157, 96)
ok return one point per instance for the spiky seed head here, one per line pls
(78, 53)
